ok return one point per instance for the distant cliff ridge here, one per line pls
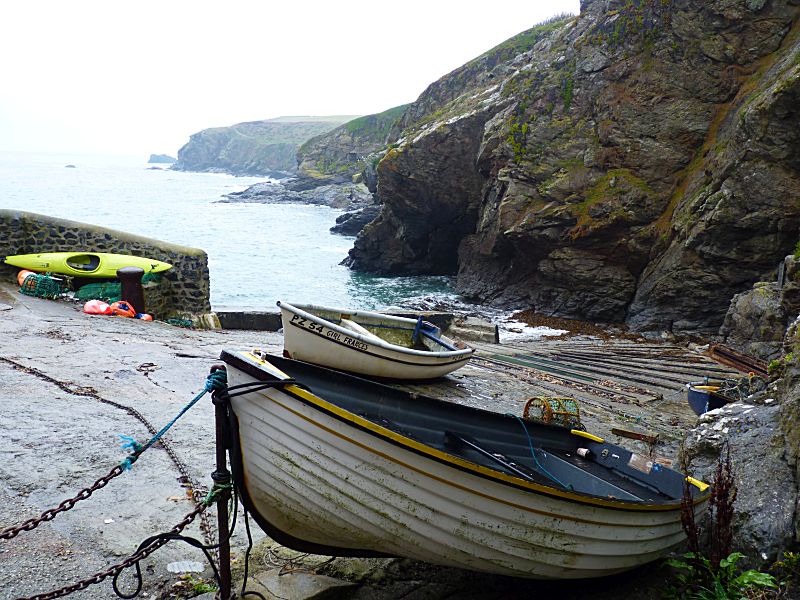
(638, 163)
(266, 148)
(160, 159)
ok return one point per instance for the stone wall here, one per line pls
(182, 292)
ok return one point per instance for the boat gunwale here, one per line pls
(460, 354)
(451, 460)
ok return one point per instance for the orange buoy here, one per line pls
(122, 309)
(22, 275)
(96, 307)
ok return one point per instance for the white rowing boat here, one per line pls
(369, 343)
(333, 464)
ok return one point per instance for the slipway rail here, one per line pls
(619, 384)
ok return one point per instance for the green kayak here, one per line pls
(84, 264)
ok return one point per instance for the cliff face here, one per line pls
(347, 151)
(255, 148)
(640, 162)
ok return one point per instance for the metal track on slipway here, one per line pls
(638, 386)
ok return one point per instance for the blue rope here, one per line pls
(533, 454)
(215, 381)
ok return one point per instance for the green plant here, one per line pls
(700, 579)
(797, 250)
(715, 576)
(775, 367)
(788, 569)
(567, 91)
(517, 135)
(189, 586)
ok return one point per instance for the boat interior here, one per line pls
(84, 262)
(535, 452)
(419, 336)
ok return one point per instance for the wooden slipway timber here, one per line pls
(334, 464)
(369, 343)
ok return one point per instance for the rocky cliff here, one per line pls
(255, 148)
(347, 151)
(638, 163)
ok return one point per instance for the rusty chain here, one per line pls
(119, 567)
(198, 492)
(50, 514)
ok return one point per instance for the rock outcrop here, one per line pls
(266, 148)
(757, 318)
(351, 197)
(336, 169)
(341, 155)
(638, 163)
(765, 426)
(161, 159)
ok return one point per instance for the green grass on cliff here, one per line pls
(522, 42)
(377, 125)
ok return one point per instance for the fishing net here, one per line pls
(42, 286)
(180, 322)
(151, 278)
(107, 292)
(553, 409)
(739, 389)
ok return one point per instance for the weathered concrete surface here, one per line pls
(56, 441)
(57, 365)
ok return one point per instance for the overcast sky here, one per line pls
(134, 78)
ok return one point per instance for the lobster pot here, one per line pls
(42, 286)
(554, 409)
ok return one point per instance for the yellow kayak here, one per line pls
(84, 264)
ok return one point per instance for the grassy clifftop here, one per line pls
(253, 148)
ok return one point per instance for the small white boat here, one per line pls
(334, 464)
(369, 343)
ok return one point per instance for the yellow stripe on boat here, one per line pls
(587, 435)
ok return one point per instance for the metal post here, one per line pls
(131, 286)
(222, 476)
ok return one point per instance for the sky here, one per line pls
(135, 78)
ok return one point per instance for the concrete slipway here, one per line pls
(70, 383)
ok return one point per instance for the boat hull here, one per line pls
(84, 264)
(317, 340)
(327, 482)
(703, 400)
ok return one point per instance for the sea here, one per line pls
(257, 253)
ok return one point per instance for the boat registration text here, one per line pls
(329, 333)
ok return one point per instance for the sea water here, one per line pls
(257, 253)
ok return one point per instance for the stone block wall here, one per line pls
(182, 292)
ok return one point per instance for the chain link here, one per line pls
(50, 514)
(198, 492)
(115, 570)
